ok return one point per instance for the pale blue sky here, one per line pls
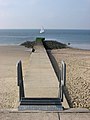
(56, 14)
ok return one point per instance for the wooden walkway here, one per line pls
(40, 80)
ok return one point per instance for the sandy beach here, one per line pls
(78, 75)
(9, 56)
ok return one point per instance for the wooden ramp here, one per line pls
(40, 79)
(40, 88)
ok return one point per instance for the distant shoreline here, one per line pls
(56, 44)
(77, 38)
(68, 46)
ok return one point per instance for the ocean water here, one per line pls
(76, 38)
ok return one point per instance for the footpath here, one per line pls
(40, 79)
(72, 114)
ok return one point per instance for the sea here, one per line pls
(76, 38)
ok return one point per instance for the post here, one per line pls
(63, 72)
(63, 79)
(20, 80)
(61, 92)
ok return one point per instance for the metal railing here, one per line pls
(20, 80)
(60, 73)
(63, 80)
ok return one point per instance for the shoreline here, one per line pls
(52, 44)
(79, 49)
(9, 45)
(85, 47)
(79, 46)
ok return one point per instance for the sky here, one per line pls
(51, 14)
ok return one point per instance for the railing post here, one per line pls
(61, 91)
(63, 76)
(20, 80)
(63, 79)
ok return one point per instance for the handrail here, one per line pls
(63, 73)
(63, 79)
(20, 80)
(62, 82)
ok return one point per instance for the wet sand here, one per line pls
(9, 56)
(78, 75)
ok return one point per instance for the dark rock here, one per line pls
(47, 44)
(28, 44)
(54, 45)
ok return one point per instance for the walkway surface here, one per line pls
(15, 115)
(40, 79)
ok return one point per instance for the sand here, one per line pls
(9, 56)
(78, 75)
